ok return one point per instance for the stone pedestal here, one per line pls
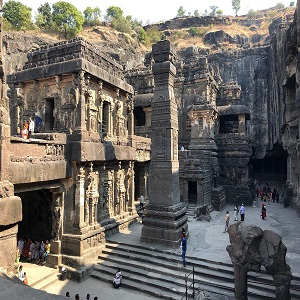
(55, 247)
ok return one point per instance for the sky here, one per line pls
(161, 10)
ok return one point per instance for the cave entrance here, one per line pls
(192, 193)
(272, 168)
(36, 215)
(139, 116)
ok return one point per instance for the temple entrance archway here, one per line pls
(37, 215)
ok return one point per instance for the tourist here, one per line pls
(31, 251)
(263, 211)
(42, 252)
(182, 148)
(47, 251)
(31, 127)
(95, 298)
(227, 218)
(24, 132)
(21, 246)
(77, 297)
(236, 211)
(242, 212)
(88, 297)
(26, 248)
(17, 260)
(25, 279)
(38, 123)
(117, 279)
(142, 201)
(20, 273)
(183, 248)
(68, 294)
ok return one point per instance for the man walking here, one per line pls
(142, 201)
(183, 248)
(227, 217)
(242, 212)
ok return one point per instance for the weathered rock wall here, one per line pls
(249, 68)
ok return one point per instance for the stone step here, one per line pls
(46, 280)
(216, 272)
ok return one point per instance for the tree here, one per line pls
(236, 5)
(18, 14)
(279, 5)
(213, 10)
(219, 12)
(44, 17)
(92, 16)
(113, 12)
(181, 12)
(67, 18)
(196, 13)
(252, 14)
(292, 4)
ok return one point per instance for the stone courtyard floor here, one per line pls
(206, 240)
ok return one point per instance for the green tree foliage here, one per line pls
(219, 12)
(18, 14)
(153, 35)
(292, 4)
(196, 13)
(141, 34)
(113, 12)
(280, 5)
(197, 31)
(92, 16)
(67, 18)
(44, 17)
(252, 14)
(121, 24)
(181, 12)
(236, 5)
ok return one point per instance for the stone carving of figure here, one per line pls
(56, 219)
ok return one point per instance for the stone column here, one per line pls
(240, 281)
(80, 119)
(79, 201)
(10, 205)
(147, 111)
(165, 215)
(130, 106)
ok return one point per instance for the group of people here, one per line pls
(31, 126)
(31, 251)
(236, 212)
(267, 195)
(77, 297)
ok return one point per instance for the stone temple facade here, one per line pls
(76, 177)
(191, 128)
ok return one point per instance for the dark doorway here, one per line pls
(139, 116)
(49, 118)
(192, 192)
(37, 216)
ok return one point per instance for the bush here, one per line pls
(197, 31)
(252, 14)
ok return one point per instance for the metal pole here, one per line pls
(193, 282)
(186, 288)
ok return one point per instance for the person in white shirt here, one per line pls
(117, 279)
(31, 127)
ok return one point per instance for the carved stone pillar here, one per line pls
(130, 106)
(79, 201)
(80, 115)
(165, 214)
(147, 111)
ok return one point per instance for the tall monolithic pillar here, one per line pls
(165, 214)
(10, 205)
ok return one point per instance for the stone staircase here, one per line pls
(45, 280)
(191, 210)
(161, 274)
